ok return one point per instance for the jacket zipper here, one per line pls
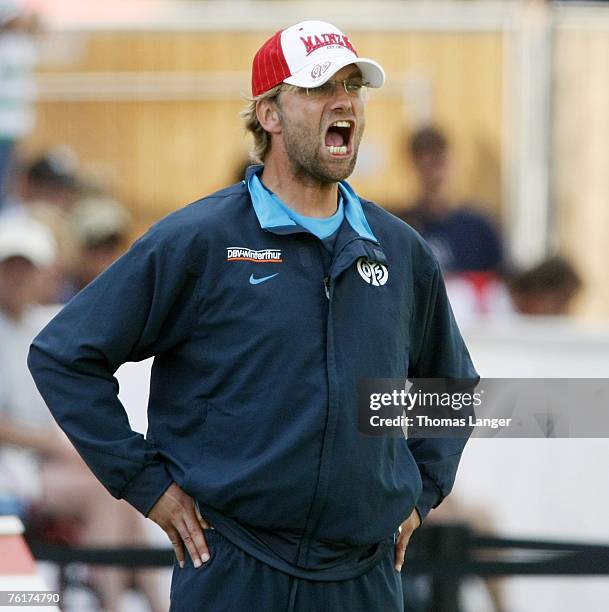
(311, 524)
(321, 491)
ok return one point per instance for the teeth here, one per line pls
(344, 124)
(338, 150)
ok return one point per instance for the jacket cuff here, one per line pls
(430, 497)
(147, 486)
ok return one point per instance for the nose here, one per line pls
(341, 99)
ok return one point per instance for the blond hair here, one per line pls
(262, 139)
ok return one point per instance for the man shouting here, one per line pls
(264, 306)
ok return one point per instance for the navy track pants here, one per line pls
(234, 581)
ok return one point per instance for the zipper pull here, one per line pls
(327, 286)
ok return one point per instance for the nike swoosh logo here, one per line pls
(256, 281)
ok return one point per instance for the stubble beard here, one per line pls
(303, 148)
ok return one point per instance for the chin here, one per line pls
(338, 169)
(327, 171)
(333, 176)
(340, 174)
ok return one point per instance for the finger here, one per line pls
(176, 542)
(400, 551)
(188, 538)
(204, 523)
(198, 538)
(200, 517)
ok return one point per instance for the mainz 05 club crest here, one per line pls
(373, 273)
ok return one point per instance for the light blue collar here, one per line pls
(273, 216)
(321, 227)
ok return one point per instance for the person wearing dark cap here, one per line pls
(265, 305)
(52, 178)
(49, 180)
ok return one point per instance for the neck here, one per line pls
(303, 193)
(435, 203)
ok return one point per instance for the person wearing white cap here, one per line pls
(26, 249)
(40, 472)
(265, 306)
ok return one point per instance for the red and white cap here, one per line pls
(307, 55)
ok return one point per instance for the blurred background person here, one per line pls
(548, 288)
(27, 248)
(45, 188)
(41, 475)
(50, 179)
(463, 239)
(100, 226)
(18, 56)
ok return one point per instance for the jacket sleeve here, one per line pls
(437, 351)
(136, 309)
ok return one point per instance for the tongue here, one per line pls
(334, 139)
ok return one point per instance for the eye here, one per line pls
(325, 90)
(353, 86)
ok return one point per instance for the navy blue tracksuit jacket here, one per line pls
(253, 397)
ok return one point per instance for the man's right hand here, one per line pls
(175, 513)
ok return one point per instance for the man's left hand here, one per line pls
(406, 530)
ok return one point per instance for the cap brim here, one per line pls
(316, 73)
(32, 242)
(38, 257)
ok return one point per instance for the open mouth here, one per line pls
(338, 137)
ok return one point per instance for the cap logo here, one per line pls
(319, 70)
(312, 43)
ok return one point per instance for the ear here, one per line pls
(269, 115)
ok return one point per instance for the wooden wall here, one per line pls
(156, 114)
(581, 158)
